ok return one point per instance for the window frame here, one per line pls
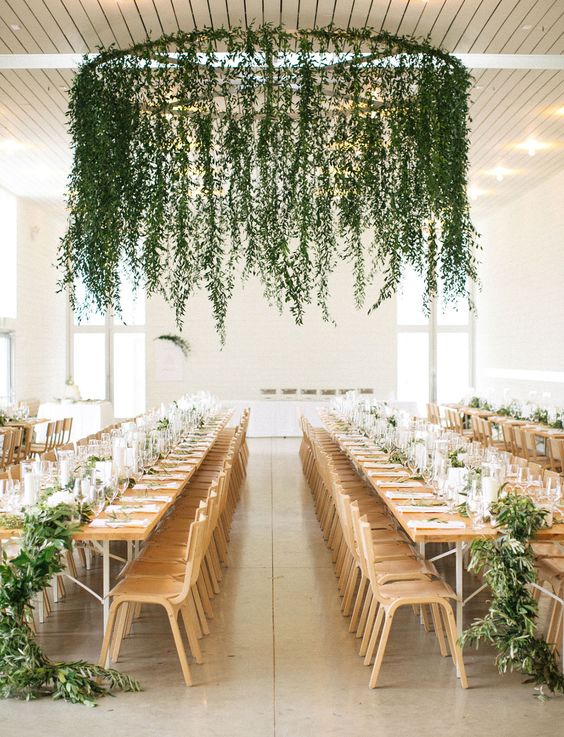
(433, 329)
(109, 328)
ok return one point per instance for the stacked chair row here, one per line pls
(514, 439)
(180, 567)
(378, 570)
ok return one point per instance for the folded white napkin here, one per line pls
(422, 508)
(383, 466)
(169, 485)
(119, 523)
(388, 474)
(451, 524)
(149, 508)
(148, 498)
(409, 494)
(405, 485)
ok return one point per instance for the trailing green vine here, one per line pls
(508, 564)
(25, 671)
(204, 155)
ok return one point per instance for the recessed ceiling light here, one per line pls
(500, 172)
(531, 146)
(15, 27)
(526, 28)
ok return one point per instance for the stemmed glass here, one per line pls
(475, 504)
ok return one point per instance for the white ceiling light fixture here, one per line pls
(531, 146)
(15, 27)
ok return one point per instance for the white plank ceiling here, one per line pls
(509, 107)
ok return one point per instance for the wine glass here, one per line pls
(475, 504)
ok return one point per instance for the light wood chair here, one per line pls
(7, 439)
(67, 430)
(555, 450)
(167, 592)
(393, 596)
(508, 439)
(48, 444)
(433, 414)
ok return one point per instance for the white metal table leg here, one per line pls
(459, 588)
(459, 593)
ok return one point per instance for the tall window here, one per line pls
(108, 356)
(8, 254)
(434, 356)
(8, 292)
(6, 368)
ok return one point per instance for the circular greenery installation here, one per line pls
(258, 151)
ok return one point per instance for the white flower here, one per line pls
(60, 497)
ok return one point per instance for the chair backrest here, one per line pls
(519, 460)
(196, 551)
(12, 472)
(7, 447)
(67, 430)
(555, 450)
(507, 430)
(477, 431)
(535, 468)
(519, 440)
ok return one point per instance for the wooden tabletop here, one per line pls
(192, 457)
(376, 477)
(29, 422)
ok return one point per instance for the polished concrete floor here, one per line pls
(279, 661)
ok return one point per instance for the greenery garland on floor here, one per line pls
(508, 564)
(272, 153)
(25, 671)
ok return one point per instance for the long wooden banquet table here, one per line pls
(537, 429)
(449, 528)
(156, 492)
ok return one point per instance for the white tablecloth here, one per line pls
(279, 417)
(87, 417)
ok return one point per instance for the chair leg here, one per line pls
(355, 616)
(435, 613)
(108, 635)
(200, 611)
(368, 627)
(172, 618)
(425, 618)
(363, 617)
(120, 632)
(381, 649)
(453, 642)
(374, 636)
(191, 632)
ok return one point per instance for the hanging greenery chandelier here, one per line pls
(207, 155)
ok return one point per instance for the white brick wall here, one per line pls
(520, 322)
(40, 326)
(265, 349)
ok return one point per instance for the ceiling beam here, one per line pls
(472, 61)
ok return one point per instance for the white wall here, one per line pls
(267, 350)
(40, 361)
(520, 325)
